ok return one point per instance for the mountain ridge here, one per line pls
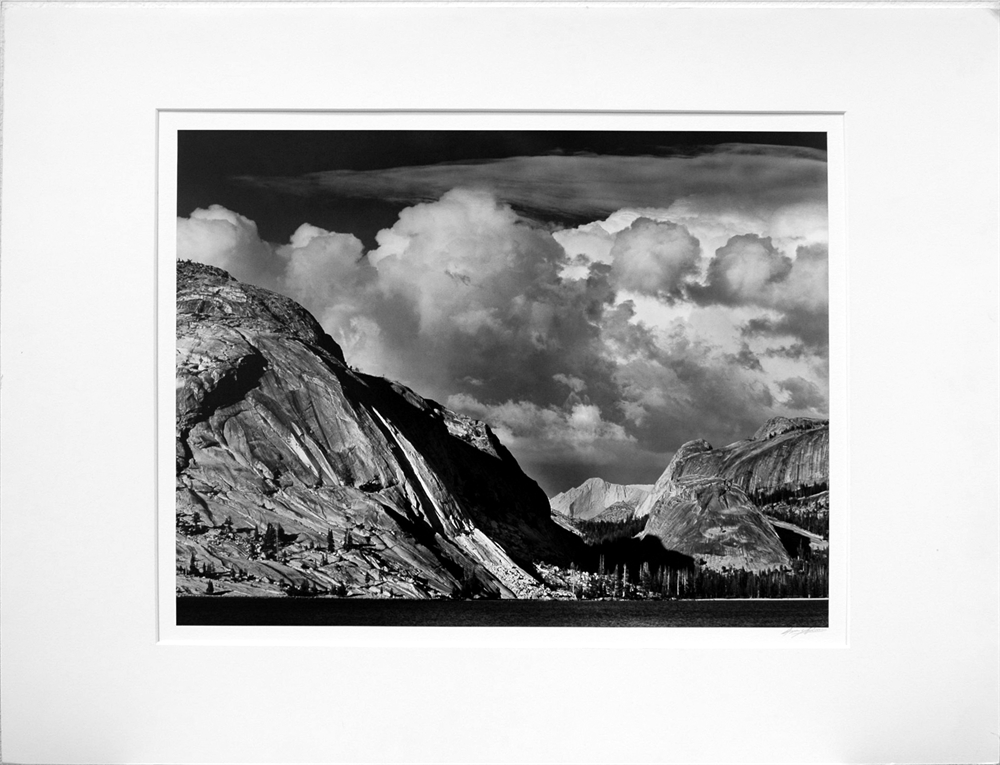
(783, 453)
(722, 506)
(594, 496)
(368, 487)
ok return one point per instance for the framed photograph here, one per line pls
(577, 297)
(372, 373)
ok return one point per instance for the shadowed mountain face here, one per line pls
(369, 489)
(595, 496)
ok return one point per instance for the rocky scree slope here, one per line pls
(370, 489)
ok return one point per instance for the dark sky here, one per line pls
(212, 166)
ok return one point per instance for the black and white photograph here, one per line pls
(499, 382)
(502, 378)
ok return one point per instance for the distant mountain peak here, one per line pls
(594, 496)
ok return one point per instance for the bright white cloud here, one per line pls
(219, 237)
(594, 350)
(807, 286)
(747, 270)
(527, 427)
(591, 242)
(654, 258)
(328, 274)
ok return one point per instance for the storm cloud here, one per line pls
(594, 350)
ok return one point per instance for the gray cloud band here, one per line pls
(763, 177)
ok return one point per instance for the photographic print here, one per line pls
(391, 378)
(502, 378)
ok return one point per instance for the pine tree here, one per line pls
(330, 547)
(645, 576)
(270, 544)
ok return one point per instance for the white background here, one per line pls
(82, 678)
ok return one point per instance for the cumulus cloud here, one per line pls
(686, 386)
(328, 274)
(590, 243)
(746, 358)
(469, 290)
(807, 286)
(223, 238)
(563, 446)
(591, 351)
(810, 329)
(803, 395)
(713, 221)
(749, 286)
(792, 293)
(747, 270)
(324, 271)
(800, 303)
(581, 427)
(654, 258)
(575, 384)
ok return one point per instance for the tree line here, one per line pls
(596, 531)
(786, 493)
(805, 579)
(617, 565)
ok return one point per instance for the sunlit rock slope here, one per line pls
(713, 521)
(595, 496)
(728, 506)
(297, 474)
(782, 458)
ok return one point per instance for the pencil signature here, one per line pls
(797, 631)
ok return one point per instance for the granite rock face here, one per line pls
(724, 505)
(368, 489)
(715, 522)
(782, 456)
(595, 496)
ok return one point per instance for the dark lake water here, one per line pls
(500, 613)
